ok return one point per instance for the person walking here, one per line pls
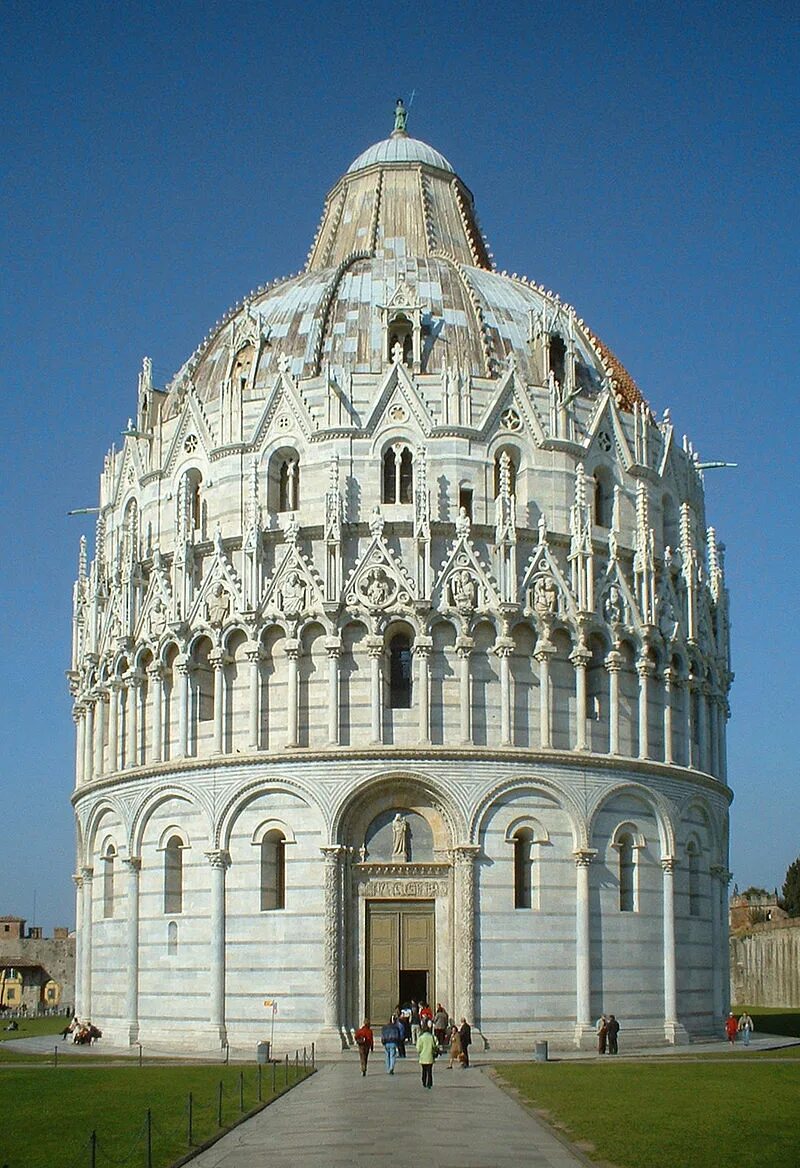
(414, 1021)
(612, 1031)
(440, 1025)
(731, 1027)
(746, 1028)
(465, 1034)
(601, 1026)
(455, 1047)
(365, 1040)
(426, 1053)
(390, 1038)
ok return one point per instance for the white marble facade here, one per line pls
(401, 536)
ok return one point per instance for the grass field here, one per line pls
(55, 1111)
(740, 1114)
(31, 1027)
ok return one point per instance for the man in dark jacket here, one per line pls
(612, 1031)
(390, 1037)
(465, 1034)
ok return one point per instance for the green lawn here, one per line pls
(743, 1114)
(113, 1100)
(31, 1027)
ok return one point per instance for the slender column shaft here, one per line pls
(504, 653)
(78, 1003)
(88, 743)
(86, 944)
(717, 1003)
(544, 699)
(580, 659)
(254, 697)
(464, 931)
(156, 676)
(422, 650)
(583, 969)
(668, 715)
(465, 693)
(691, 752)
(131, 721)
(644, 670)
(113, 727)
(670, 1001)
(80, 731)
(100, 732)
(292, 654)
(713, 710)
(218, 665)
(219, 862)
(723, 741)
(334, 648)
(331, 973)
(182, 666)
(613, 665)
(702, 728)
(133, 865)
(375, 650)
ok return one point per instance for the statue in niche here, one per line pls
(378, 587)
(667, 624)
(614, 607)
(158, 619)
(293, 595)
(399, 839)
(545, 597)
(464, 591)
(397, 353)
(218, 606)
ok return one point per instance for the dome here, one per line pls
(400, 149)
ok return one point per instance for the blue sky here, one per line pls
(163, 159)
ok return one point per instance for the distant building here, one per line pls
(35, 972)
(755, 907)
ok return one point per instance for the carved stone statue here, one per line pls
(400, 115)
(545, 597)
(218, 606)
(158, 619)
(377, 587)
(464, 591)
(399, 839)
(293, 595)
(614, 607)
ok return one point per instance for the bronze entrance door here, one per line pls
(400, 955)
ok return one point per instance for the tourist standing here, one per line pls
(414, 1021)
(426, 1053)
(440, 1021)
(612, 1031)
(455, 1047)
(465, 1034)
(746, 1028)
(602, 1033)
(390, 1038)
(731, 1028)
(365, 1040)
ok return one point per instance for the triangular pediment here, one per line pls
(615, 601)
(511, 410)
(157, 607)
(284, 401)
(379, 581)
(605, 433)
(465, 586)
(193, 423)
(399, 395)
(545, 592)
(219, 596)
(112, 627)
(295, 590)
(131, 469)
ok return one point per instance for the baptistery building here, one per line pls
(401, 663)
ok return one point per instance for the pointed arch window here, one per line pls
(109, 858)
(173, 875)
(398, 474)
(273, 870)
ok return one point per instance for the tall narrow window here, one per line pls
(558, 353)
(400, 672)
(173, 875)
(694, 879)
(603, 497)
(627, 873)
(465, 500)
(273, 870)
(523, 868)
(108, 880)
(172, 938)
(398, 475)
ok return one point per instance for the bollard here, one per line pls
(241, 1091)
(190, 1133)
(313, 1055)
(258, 1068)
(286, 1070)
(55, 1056)
(304, 1059)
(227, 1054)
(148, 1126)
(274, 1069)
(93, 1149)
(219, 1105)
(140, 1052)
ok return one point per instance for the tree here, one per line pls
(791, 889)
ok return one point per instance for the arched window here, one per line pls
(465, 496)
(289, 485)
(398, 475)
(400, 672)
(603, 497)
(557, 352)
(173, 875)
(109, 857)
(693, 855)
(627, 873)
(523, 868)
(172, 938)
(273, 870)
(190, 502)
(401, 333)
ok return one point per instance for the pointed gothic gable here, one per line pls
(615, 601)
(295, 589)
(511, 398)
(606, 418)
(194, 421)
(157, 607)
(465, 584)
(669, 609)
(284, 399)
(544, 588)
(399, 390)
(220, 594)
(131, 470)
(112, 627)
(378, 581)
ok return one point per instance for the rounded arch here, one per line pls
(268, 825)
(154, 800)
(696, 801)
(539, 833)
(654, 801)
(417, 791)
(531, 782)
(252, 791)
(171, 832)
(234, 630)
(627, 827)
(94, 824)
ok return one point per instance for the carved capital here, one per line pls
(333, 647)
(645, 667)
(580, 657)
(292, 648)
(156, 671)
(583, 857)
(721, 873)
(614, 661)
(183, 665)
(77, 880)
(217, 659)
(132, 863)
(86, 874)
(669, 863)
(253, 652)
(219, 859)
(423, 646)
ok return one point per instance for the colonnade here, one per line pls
(111, 718)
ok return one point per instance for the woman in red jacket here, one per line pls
(365, 1040)
(731, 1027)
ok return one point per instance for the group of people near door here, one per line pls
(431, 1032)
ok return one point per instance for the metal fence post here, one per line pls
(313, 1055)
(190, 1133)
(241, 1091)
(304, 1058)
(258, 1069)
(93, 1149)
(219, 1106)
(55, 1056)
(286, 1070)
(149, 1138)
(274, 1069)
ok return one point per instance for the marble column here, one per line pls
(702, 726)
(253, 655)
(583, 967)
(133, 865)
(670, 990)
(464, 857)
(132, 719)
(219, 861)
(86, 942)
(155, 675)
(77, 1006)
(113, 725)
(375, 651)
(216, 660)
(333, 647)
(80, 730)
(580, 659)
(333, 856)
(691, 750)
(100, 731)
(645, 669)
(422, 652)
(292, 651)
(503, 649)
(543, 656)
(716, 877)
(614, 666)
(668, 680)
(182, 668)
(713, 736)
(464, 646)
(88, 741)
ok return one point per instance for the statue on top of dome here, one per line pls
(400, 115)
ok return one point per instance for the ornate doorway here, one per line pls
(401, 955)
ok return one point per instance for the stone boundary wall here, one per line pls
(765, 964)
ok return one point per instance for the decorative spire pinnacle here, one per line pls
(400, 115)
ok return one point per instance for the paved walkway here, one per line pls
(339, 1118)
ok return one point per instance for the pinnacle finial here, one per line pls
(400, 115)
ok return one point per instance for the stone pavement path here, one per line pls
(339, 1118)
